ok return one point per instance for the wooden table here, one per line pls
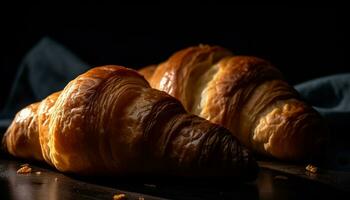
(275, 181)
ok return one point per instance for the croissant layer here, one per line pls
(245, 94)
(110, 121)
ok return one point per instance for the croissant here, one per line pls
(109, 121)
(245, 94)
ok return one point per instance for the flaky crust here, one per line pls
(181, 75)
(147, 72)
(110, 121)
(248, 96)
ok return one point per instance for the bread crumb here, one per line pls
(38, 172)
(311, 168)
(119, 197)
(24, 170)
(281, 177)
(56, 179)
(141, 198)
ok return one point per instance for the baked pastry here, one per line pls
(109, 121)
(245, 94)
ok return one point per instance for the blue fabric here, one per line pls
(330, 96)
(46, 68)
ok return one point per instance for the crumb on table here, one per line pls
(24, 170)
(38, 172)
(311, 168)
(119, 197)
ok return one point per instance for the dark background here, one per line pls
(303, 42)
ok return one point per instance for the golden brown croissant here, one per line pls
(245, 94)
(110, 121)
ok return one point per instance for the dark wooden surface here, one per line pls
(331, 178)
(275, 181)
